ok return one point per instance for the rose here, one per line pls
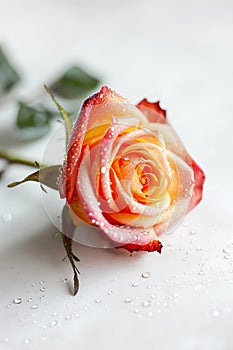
(127, 171)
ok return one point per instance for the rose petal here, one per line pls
(199, 178)
(153, 111)
(98, 109)
(153, 246)
(121, 235)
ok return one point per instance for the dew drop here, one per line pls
(53, 323)
(17, 301)
(27, 341)
(145, 274)
(65, 280)
(98, 301)
(192, 232)
(110, 292)
(6, 217)
(128, 300)
(68, 317)
(29, 300)
(34, 306)
(103, 169)
(135, 284)
(146, 303)
(216, 313)
(42, 289)
(199, 249)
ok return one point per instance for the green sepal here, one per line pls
(47, 176)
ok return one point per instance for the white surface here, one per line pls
(181, 52)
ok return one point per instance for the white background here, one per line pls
(180, 52)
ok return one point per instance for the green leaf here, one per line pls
(75, 83)
(47, 176)
(32, 123)
(8, 75)
(64, 114)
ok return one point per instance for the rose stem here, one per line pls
(12, 159)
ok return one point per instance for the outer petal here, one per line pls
(97, 110)
(150, 247)
(153, 111)
(84, 122)
(199, 178)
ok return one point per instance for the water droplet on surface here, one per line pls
(53, 323)
(215, 312)
(42, 289)
(29, 300)
(146, 303)
(192, 232)
(27, 341)
(145, 274)
(17, 301)
(6, 217)
(6, 340)
(34, 306)
(65, 280)
(199, 249)
(98, 301)
(110, 292)
(128, 300)
(135, 284)
(68, 317)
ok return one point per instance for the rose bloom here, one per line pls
(127, 172)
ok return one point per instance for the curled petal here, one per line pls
(199, 178)
(153, 246)
(153, 111)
